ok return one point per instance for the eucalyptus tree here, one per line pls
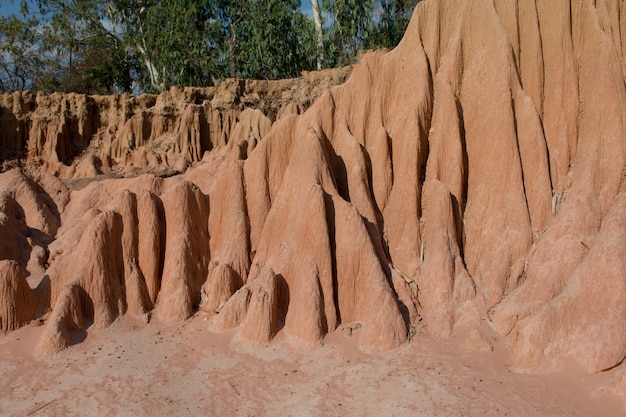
(391, 20)
(144, 44)
(351, 23)
(273, 40)
(103, 46)
(319, 32)
(23, 58)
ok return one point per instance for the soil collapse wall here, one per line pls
(471, 180)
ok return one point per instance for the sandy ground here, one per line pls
(137, 369)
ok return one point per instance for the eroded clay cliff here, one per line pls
(78, 136)
(470, 181)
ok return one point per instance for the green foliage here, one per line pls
(274, 41)
(352, 22)
(106, 68)
(104, 46)
(25, 59)
(366, 24)
(266, 39)
(393, 19)
(83, 54)
(177, 41)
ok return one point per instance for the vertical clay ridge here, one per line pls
(151, 244)
(186, 251)
(137, 296)
(17, 306)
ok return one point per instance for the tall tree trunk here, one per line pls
(156, 81)
(231, 50)
(317, 17)
(153, 72)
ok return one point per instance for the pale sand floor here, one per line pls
(137, 369)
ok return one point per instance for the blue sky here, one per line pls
(7, 7)
(305, 6)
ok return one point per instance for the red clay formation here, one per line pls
(471, 181)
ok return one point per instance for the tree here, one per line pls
(149, 45)
(90, 56)
(368, 24)
(22, 60)
(391, 23)
(163, 43)
(231, 13)
(352, 22)
(268, 39)
(178, 41)
(317, 18)
(105, 68)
